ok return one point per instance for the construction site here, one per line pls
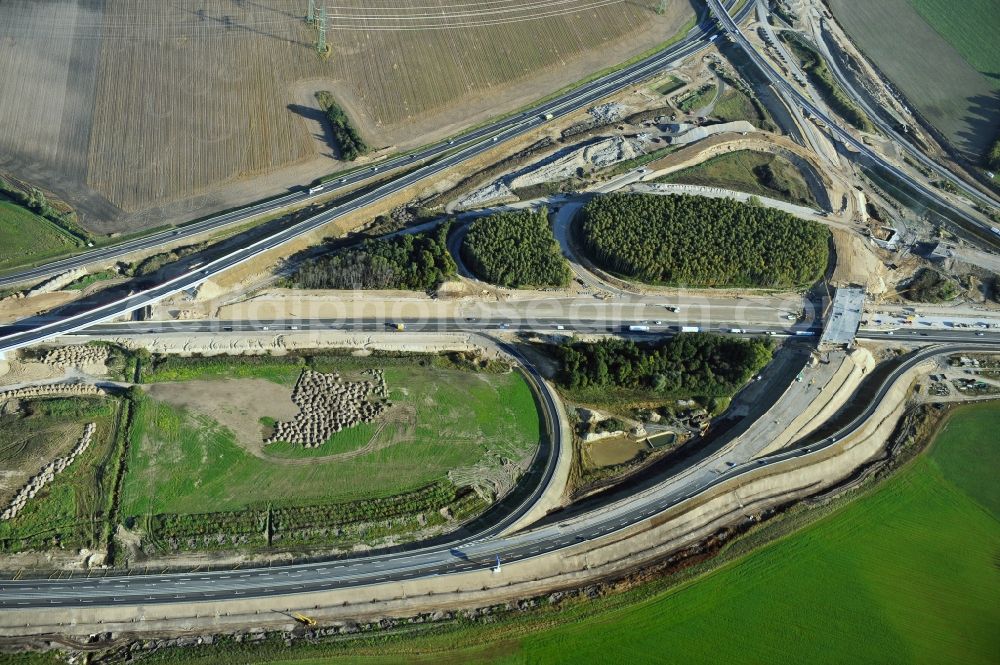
(203, 455)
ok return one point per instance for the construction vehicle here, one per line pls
(303, 619)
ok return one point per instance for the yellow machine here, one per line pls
(304, 620)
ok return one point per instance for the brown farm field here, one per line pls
(961, 102)
(139, 114)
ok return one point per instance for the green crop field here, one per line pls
(186, 462)
(905, 574)
(28, 237)
(941, 55)
(971, 27)
(71, 511)
(752, 172)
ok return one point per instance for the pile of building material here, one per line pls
(51, 389)
(328, 404)
(47, 474)
(76, 355)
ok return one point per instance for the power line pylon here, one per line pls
(321, 45)
(311, 13)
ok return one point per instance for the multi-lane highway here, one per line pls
(794, 96)
(448, 156)
(436, 158)
(478, 552)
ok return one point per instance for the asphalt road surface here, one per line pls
(468, 145)
(479, 552)
(795, 97)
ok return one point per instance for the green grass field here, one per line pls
(71, 510)
(181, 462)
(971, 27)
(25, 237)
(697, 99)
(905, 574)
(751, 172)
(733, 105)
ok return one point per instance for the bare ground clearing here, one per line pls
(235, 403)
(140, 114)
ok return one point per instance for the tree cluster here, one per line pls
(991, 159)
(688, 364)
(515, 249)
(349, 142)
(418, 261)
(34, 200)
(697, 241)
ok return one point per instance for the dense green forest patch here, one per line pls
(349, 142)
(418, 261)
(697, 241)
(687, 365)
(516, 249)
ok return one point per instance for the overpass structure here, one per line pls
(146, 591)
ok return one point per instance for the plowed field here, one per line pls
(141, 113)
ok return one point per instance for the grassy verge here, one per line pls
(71, 511)
(899, 570)
(29, 237)
(193, 482)
(91, 278)
(751, 172)
(821, 77)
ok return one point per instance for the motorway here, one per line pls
(794, 97)
(478, 552)
(443, 155)
(889, 129)
(486, 324)
(473, 144)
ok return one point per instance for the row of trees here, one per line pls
(349, 142)
(697, 241)
(34, 200)
(689, 364)
(516, 249)
(418, 261)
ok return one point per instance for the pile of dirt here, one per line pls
(328, 405)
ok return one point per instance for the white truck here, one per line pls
(690, 329)
(547, 116)
(737, 331)
(638, 328)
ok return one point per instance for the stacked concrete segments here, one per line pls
(79, 354)
(328, 404)
(47, 474)
(51, 389)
